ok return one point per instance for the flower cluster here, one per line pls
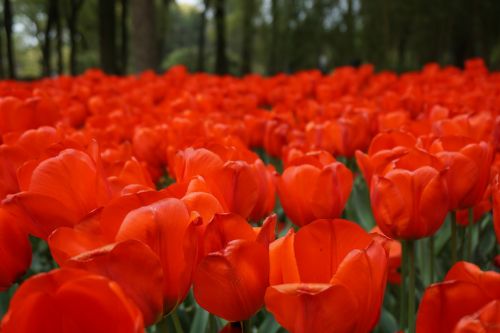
(244, 193)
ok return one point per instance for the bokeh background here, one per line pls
(50, 37)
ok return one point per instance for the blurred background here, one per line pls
(50, 37)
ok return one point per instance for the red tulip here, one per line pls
(233, 275)
(328, 277)
(387, 148)
(465, 294)
(100, 228)
(352, 131)
(18, 148)
(394, 250)
(468, 166)
(68, 300)
(21, 115)
(314, 187)
(276, 136)
(167, 228)
(135, 267)
(479, 126)
(59, 191)
(15, 256)
(409, 204)
(244, 187)
(483, 321)
(496, 206)
(149, 145)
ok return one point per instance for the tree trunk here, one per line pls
(124, 37)
(2, 69)
(144, 46)
(319, 17)
(47, 49)
(273, 48)
(7, 10)
(60, 61)
(350, 29)
(201, 37)
(72, 27)
(163, 27)
(247, 42)
(220, 27)
(107, 40)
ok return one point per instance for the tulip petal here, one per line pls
(223, 229)
(332, 190)
(305, 308)
(163, 226)
(295, 192)
(231, 283)
(321, 246)
(135, 267)
(444, 304)
(364, 273)
(283, 265)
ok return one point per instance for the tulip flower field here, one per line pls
(351, 202)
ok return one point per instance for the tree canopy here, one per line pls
(49, 37)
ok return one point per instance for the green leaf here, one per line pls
(443, 235)
(5, 298)
(269, 325)
(200, 321)
(387, 323)
(358, 207)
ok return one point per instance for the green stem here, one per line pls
(402, 292)
(351, 164)
(246, 326)
(453, 239)
(177, 322)
(469, 234)
(431, 259)
(212, 324)
(162, 325)
(411, 286)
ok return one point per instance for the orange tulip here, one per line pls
(409, 204)
(59, 191)
(135, 267)
(18, 148)
(330, 276)
(468, 164)
(168, 229)
(483, 321)
(352, 131)
(243, 186)
(466, 295)
(21, 115)
(149, 145)
(395, 150)
(232, 277)
(68, 300)
(16, 250)
(99, 228)
(276, 136)
(314, 187)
